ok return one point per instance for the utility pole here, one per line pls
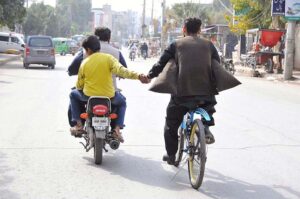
(152, 12)
(163, 30)
(289, 50)
(144, 15)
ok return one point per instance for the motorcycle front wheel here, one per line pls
(98, 149)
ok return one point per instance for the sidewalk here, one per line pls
(261, 73)
(4, 58)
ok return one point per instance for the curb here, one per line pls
(249, 72)
(13, 58)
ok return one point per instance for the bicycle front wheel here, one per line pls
(197, 154)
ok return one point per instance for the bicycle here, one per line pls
(191, 140)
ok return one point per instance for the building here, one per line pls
(124, 25)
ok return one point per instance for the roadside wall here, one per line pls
(297, 47)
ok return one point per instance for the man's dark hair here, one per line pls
(103, 33)
(192, 25)
(92, 43)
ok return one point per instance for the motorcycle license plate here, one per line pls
(100, 121)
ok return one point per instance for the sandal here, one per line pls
(118, 136)
(77, 130)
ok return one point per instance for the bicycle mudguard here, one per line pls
(203, 114)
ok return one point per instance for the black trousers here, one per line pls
(177, 108)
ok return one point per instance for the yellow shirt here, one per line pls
(95, 75)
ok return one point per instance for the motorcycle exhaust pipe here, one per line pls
(114, 144)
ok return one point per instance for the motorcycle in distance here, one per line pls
(144, 54)
(132, 54)
(99, 120)
(227, 63)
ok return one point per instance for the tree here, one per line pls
(12, 12)
(251, 14)
(74, 16)
(40, 19)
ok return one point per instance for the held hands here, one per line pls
(144, 79)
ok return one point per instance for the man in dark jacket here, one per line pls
(195, 82)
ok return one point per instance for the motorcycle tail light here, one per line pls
(84, 116)
(100, 110)
(113, 116)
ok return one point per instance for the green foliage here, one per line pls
(208, 13)
(39, 19)
(12, 12)
(251, 14)
(68, 18)
(74, 16)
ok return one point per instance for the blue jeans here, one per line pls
(120, 102)
(77, 97)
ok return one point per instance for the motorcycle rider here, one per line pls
(88, 84)
(104, 35)
(144, 50)
(133, 50)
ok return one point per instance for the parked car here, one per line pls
(11, 43)
(39, 50)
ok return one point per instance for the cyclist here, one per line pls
(195, 82)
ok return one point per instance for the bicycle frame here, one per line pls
(188, 121)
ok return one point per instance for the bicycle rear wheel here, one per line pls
(197, 154)
(181, 138)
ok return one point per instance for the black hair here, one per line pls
(192, 25)
(92, 43)
(103, 33)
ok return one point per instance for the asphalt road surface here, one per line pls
(256, 154)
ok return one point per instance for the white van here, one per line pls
(10, 42)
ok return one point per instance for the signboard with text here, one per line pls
(292, 9)
(278, 7)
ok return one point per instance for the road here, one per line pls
(256, 154)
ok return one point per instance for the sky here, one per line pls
(136, 5)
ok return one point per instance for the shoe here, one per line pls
(169, 159)
(209, 137)
(118, 136)
(77, 130)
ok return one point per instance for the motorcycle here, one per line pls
(132, 55)
(144, 54)
(99, 122)
(228, 64)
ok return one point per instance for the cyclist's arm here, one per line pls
(168, 54)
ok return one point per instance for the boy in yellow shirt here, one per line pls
(95, 79)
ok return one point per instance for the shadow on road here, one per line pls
(218, 186)
(215, 185)
(5, 180)
(143, 170)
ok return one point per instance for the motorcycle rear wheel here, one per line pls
(98, 149)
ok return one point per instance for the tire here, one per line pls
(51, 66)
(197, 154)
(98, 149)
(181, 139)
(25, 65)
